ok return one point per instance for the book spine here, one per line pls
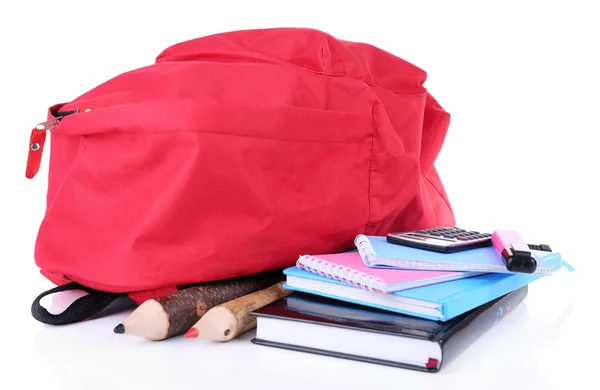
(340, 272)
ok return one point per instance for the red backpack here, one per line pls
(234, 154)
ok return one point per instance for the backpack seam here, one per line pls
(371, 168)
(446, 201)
(161, 132)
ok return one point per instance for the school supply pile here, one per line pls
(386, 285)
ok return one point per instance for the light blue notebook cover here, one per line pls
(452, 298)
(474, 260)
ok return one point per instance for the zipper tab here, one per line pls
(49, 124)
(36, 145)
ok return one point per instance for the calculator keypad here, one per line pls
(452, 234)
(442, 239)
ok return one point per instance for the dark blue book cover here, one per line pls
(451, 337)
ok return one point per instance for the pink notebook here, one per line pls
(349, 268)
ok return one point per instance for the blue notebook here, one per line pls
(474, 260)
(439, 302)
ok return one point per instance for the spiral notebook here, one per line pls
(376, 251)
(349, 268)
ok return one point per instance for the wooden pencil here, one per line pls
(173, 314)
(230, 319)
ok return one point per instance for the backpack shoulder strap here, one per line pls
(81, 309)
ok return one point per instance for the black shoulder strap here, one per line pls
(81, 309)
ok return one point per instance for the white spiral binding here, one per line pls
(339, 272)
(367, 253)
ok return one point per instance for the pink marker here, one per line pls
(514, 251)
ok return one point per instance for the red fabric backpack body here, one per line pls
(234, 154)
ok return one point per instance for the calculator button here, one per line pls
(463, 238)
(435, 234)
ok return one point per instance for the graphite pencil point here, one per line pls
(119, 329)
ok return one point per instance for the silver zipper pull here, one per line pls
(49, 124)
(36, 145)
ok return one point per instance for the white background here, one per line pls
(520, 79)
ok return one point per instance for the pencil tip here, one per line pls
(120, 329)
(192, 333)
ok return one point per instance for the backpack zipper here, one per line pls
(38, 139)
(36, 145)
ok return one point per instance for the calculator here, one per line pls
(443, 239)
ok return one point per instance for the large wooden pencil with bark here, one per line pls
(232, 318)
(174, 314)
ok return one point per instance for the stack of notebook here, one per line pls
(391, 314)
